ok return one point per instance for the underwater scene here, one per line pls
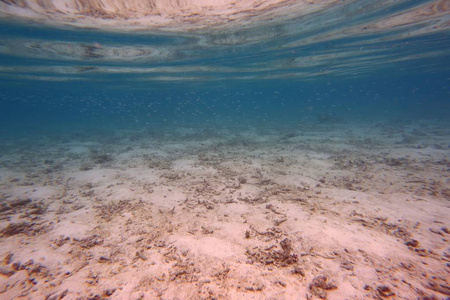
(222, 149)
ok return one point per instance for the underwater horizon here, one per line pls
(365, 56)
(203, 149)
(326, 58)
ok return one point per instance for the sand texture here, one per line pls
(323, 211)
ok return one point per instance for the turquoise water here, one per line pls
(341, 61)
(269, 149)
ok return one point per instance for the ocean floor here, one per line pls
(312, 211)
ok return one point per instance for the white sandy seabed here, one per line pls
(318, 212)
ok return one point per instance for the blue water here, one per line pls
(238, 162)
(55, 77)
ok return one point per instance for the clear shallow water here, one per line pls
(227, 153)
(350, 60)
